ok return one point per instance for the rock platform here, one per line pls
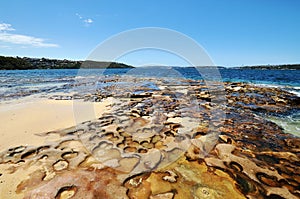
(164, 139)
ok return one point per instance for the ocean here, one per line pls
(18, 83)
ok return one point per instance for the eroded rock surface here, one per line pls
(178, 139)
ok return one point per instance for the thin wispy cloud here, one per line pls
(6, 27)
(7, 36)
(79, 16)
(86, 21)
(4, 46)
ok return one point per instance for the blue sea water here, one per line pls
(17, 83)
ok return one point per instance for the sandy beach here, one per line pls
(22, 120)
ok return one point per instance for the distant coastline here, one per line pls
(27, 63)
(271, 67)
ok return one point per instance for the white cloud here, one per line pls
(4, 46)
(5, 27)
(21, 39)
(86, 21)
(24, 40)
(79, 16)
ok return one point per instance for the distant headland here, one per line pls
(26, 63)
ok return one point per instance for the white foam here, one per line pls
(290, 124)
(291, 89)
(295, 92)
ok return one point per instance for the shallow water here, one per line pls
(290, 124)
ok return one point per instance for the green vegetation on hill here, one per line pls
(101, 64)
(25, 63)
(11, 63)
(274, 67)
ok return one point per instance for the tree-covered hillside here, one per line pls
(25, 63)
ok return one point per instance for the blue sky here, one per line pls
(233, 32)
